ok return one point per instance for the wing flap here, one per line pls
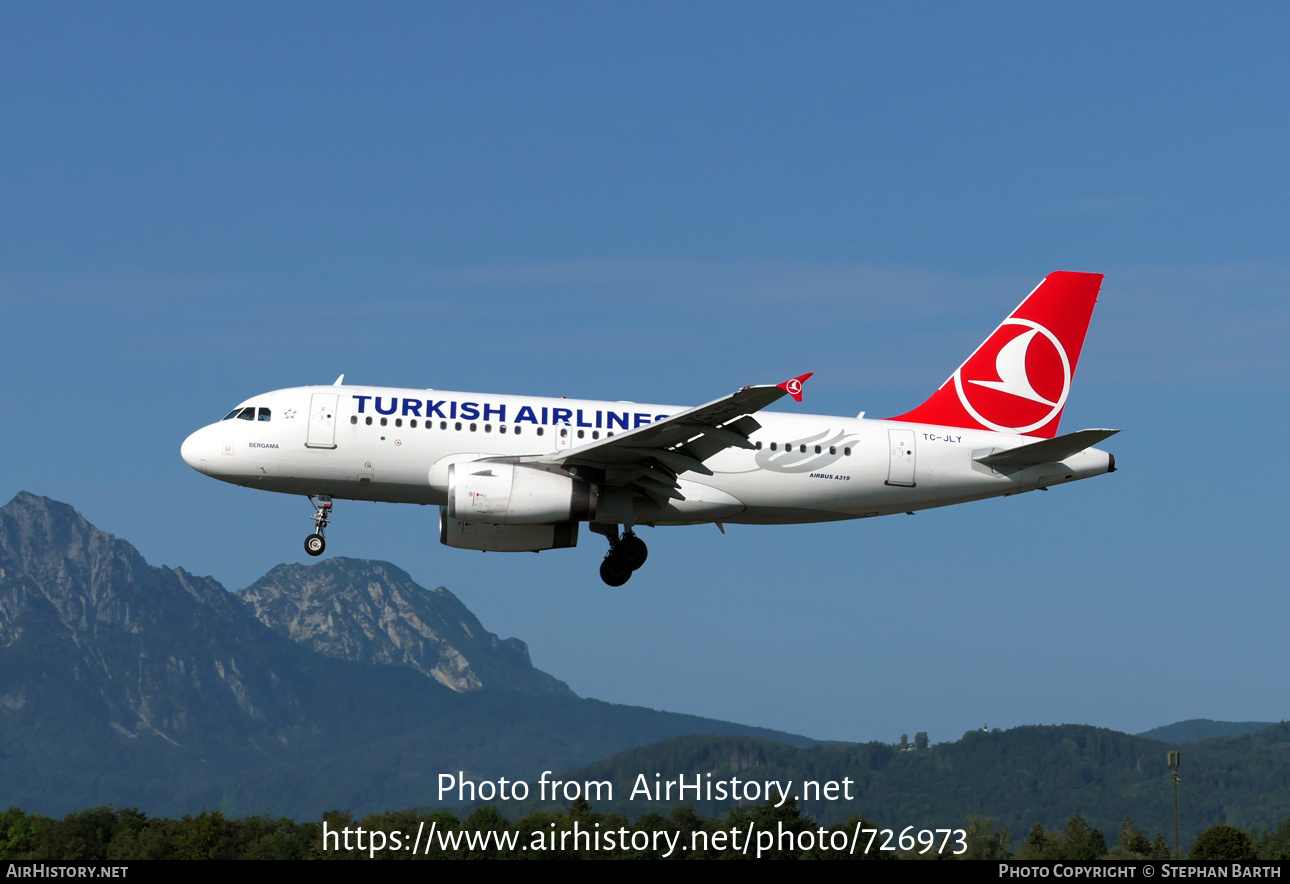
(670, 458)
(713, 439)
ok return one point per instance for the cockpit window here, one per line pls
(248, 414)
(265, 414)
(232, 414)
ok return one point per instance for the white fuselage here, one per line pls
(392, 444)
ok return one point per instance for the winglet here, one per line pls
(339, 381)
(793, 386)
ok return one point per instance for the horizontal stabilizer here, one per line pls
(1047, 451)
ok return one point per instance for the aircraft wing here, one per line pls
(1046, 451)
(649, 458)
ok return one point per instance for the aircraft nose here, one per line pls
(193, 452)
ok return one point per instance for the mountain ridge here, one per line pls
(326, 686)
(373, 612)
(129, 684)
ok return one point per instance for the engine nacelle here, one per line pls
(506, 494)
(505, 538)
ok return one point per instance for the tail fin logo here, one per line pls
(1018, 380)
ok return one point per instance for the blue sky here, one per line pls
(663, 202)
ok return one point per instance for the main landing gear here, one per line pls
(315, 543)
(626, 554)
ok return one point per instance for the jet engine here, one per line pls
(506, 494)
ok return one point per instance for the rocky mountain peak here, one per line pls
(89, 576)
(154, 652)
(373, 612)
(55, 546)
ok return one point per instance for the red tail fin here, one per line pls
(1018, 380)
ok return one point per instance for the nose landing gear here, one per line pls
(626, 554)
(315, 543)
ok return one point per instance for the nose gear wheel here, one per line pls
(315, 543)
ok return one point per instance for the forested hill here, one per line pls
(1018, 777)
(1193, 730)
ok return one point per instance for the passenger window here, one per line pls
(804, 449)
(517, 430)
(774, 446)
(472, 428)
(563, 433)
(353, 418)
(833, 449)
(369, 420)
(580, 434)
(846, 451)
(539, 431)
(413, 423)
(501, 428)
(595, 434)
(384, 421)
(265, 414)
(457, 426)
(818, 449)
(443, 425)
(398, 422)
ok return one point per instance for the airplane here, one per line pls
(522, 473)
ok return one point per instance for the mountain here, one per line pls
(343, 685)
(153, 652)
(1195, 729)
(372, 612)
